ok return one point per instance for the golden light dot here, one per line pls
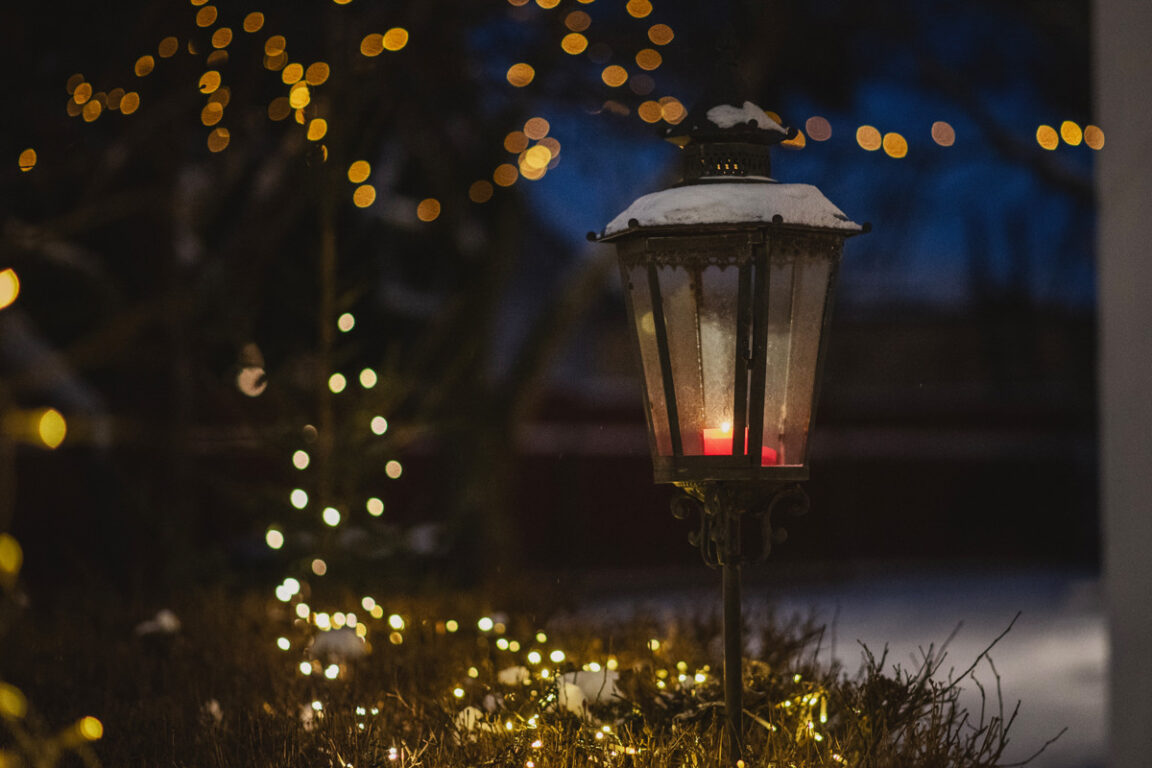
(275, 45)
(518, 3)
(1071, 133)
(868, 138)
(531, 172)
(428, 209)
(505, 174)
(221, 97)
(317, 128)
(396, 638)
(536, 128)
(520, 74)
(660, 34)
(168, 47)
(375, 508)
(614, 75)
(574, 43)
(378, 425)
(92, 110)
(218, 139)
(341, 2)
(216, 58)
(480, 191)
(72, 82)
(650, 111)
(144, 65)
(82, 93)
(393, 469)
(577, 21)
(277, 62)
(395, 38)
(298, 498)
(211, 114)
(364, 196)
(274, 538)
(206, 16)
(337, 383)
(943, 133)
(368, 378)
(319, 567)
(11, 555)
(9, 287)
(114, 97)
(317, 73)
(1093, 136)
(192, 49)
(51, 428)
(372, 45)
(130, 103)
(199, 2)
(346, 322)
(537, 157)
(209, 81)
(72, 108)
(547, 4)
(639, 8)
(26, 161)
(13, 705)
(331, 516)
(253, 22)
(672, 110)
(552, 144)
(292, 73)
(90, 728)
(222, 37)
(649, 59)
(279, 108)
(299, 96)
(818, 128)
(895, 145)
(1047, 137)
(516, 142)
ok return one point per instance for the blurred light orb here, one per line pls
(520, 74)
(253, 22)
(364, 196)
(51, 428)
(90, 728)
(660, 34)
(868, 138)
(428, 209)
(393, 469)
(943, 133)
(574, 43)
(319, 567)
(331, 516)
(283, 643)
(1047, 137)
(337, 383)
(1071, 133)
(299, 498)
(818, 128)
(274, 538)
(614, 75)
(9, 287)
(378, 425)
(895, 145)
(375, 508)
(301, 459)
(359, 171)
(1093, 136)
(368, 378)
(252, 380)
(395, 38)
(485, 624)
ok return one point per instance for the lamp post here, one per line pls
(729, 278)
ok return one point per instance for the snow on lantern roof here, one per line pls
(729, 116)
(733, 203)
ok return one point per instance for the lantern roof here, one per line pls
(735, 203)
(728, 120)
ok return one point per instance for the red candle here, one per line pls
(718, 442)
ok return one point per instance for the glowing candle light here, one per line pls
(718, 442)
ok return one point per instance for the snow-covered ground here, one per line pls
(1054, 659)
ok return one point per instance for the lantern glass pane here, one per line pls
(681, 296)
(717, 352)
(636, 280)
(797, 293)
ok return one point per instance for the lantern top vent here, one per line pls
(727, 139)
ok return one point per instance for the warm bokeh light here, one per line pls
(868, 138)
(253, 22)
(536, 128)
(378, 425)
(346, 322)
(943, 133)
(428, 209)
(1093, 136)
(660, 34)
(277, 62)
(9, 287)
(317, 73)
(218, 139)
(818, 128)
(895, 145)
(82, 93)
(92, 110)
(574, 43)
(359, 171)
(90, 728)
(51, 428)
(27, 160)
(331, 516)
(274, 538)
(368, 378)
(275, 45)
(650, 111)
(301, 459)
(222, 37)
(319, 567)
(130, 103)
(144, 65)
(375, 508)
(1047, 137)
(337, 383)
(317, 129)
(614, 75)
(13, 705)
(292, 74)
(516, 142)
(222, 96)
(11, 555)
(211, 114)
(393, 469)
(364, 196)
(73, 82)
(279, 108)
(577, 21)
(217, 58)
(649, 59)
(372, 45)
(520, 74)
(209, 81)
(547, 4)
(538, 157)
(299, 96)
(395, 38)
(1071, 133)
(114, 97)
(168, 47)
(638, 8)
(480, 191)
(206, 16)
(505, 175)
(672, 110)
(299, 498)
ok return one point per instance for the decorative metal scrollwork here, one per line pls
(730, 513)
